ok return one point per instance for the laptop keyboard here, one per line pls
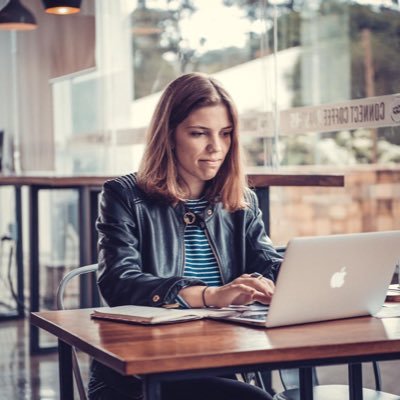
(255, 317)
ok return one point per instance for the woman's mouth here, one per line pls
(211, 162)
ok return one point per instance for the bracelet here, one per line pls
(203, 296)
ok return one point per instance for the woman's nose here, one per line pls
(215, 144)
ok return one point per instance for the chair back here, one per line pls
(60, 305)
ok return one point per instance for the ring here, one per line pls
(256, 275)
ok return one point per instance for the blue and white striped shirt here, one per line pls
(200, 261)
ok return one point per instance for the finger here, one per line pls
(233, 293)
(262, 298)
(251, 297)
(250, 293)
(244, 294)
(263, 285)
(243, 288)
(270, 285)
(243, 299)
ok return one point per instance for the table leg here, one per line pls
(34, 243)
(34, 265)
(19, 252)
(16, 238)
(65, 371)
(151, 388)
(355, 381)
(306, 383)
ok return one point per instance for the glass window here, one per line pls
(316, 83)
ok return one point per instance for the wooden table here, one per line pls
(204, 348)
(88, 188)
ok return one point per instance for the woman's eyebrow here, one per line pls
(197, 127)
(205, 127)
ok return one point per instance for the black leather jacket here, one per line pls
(141, 245)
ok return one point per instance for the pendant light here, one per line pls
(62, 7)
(15, 16)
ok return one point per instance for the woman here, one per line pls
(185, 229)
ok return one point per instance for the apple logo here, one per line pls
(337, 279)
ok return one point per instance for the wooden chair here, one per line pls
(290, 382)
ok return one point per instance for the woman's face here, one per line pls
(202, 142)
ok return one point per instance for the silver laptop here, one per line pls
(331, 277)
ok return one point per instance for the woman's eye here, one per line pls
(197, 133)
(226, 133)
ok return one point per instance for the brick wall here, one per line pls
(369, 201)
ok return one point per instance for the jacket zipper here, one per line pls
(204, 227)
(183, 252)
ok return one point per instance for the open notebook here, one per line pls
(159, 315)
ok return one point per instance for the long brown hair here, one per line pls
(158, 175)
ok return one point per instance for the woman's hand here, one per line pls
(243, 290)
